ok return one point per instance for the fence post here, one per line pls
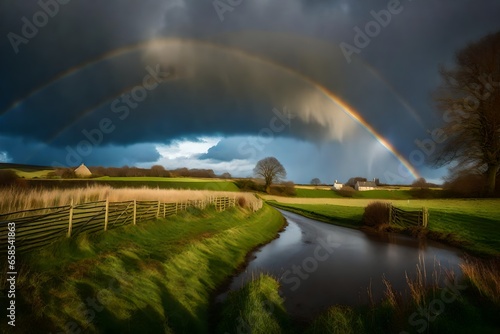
(158, 211)
(176, 207)
(70, 223)
(164, 210)
(106, 215)
(135, 212)
(390, 212)
(425, 217)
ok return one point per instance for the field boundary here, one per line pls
(39, 227)
(404, 218)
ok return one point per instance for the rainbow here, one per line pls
(345, 107)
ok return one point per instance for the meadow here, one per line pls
(18, 199)
(156, 277)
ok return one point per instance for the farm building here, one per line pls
(83, 171)
(337, 185)
(364, 186)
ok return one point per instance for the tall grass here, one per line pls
(484, 275)
(18, 199)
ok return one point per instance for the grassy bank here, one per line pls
(471, 224)
(349, 216)
(156, 277)
(468, 306)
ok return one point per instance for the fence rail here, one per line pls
(404, 218)
(39, 227)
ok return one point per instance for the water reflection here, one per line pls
(320, 265)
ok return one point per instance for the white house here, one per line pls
(364, 186)
(337, 185)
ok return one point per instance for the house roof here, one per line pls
(367, 184)
(82, 170)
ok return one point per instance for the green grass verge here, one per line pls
(256, 308)
(349, 216)
(155, 277)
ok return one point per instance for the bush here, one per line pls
(466, 185)
(376, 214)
(283, 189)
(346, 191)
(242, 202)
(249, 185)
(8, 178)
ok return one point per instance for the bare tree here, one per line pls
(469, 100)
(420, 183)
(271, 170)
(315, 181)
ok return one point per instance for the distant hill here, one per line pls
(24, 168)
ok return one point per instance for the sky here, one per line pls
(332, 89)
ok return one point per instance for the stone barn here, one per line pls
(364, 186)
(83, 171)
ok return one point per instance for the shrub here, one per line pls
(346, 191)
(242, 202)
(283, 189)
(250, 185)
(466, 185)
(8, 178)
(376, 214)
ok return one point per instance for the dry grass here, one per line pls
(17, 199)
(484, 275)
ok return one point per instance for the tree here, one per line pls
(271, 170)
(315, 181)
(158, 171)
(469, 101)
(420, 183)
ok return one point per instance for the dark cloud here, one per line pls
(229, 78)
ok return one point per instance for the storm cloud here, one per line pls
(130, 74)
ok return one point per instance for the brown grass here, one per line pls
(484, 275)
(17, 199)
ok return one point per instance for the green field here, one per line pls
(156, 277)
(139, 182)
(302, 192)
(472, 224)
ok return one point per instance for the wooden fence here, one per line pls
(39, 227)
(404, 218)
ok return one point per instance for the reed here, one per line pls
(18, 199)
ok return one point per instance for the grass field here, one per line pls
(472, 224)
(395, 194)
(139, 182)
(156, 277)
(16, 199)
